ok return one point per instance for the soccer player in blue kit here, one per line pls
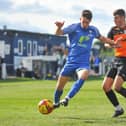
(81, 36)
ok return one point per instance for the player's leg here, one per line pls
(107, 87)
(119, 80)
(82, 76)
(62, 80)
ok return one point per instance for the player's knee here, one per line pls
(105, 87)
(117, 89)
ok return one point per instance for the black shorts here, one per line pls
(118, 68)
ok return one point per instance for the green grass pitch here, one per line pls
(90, 107)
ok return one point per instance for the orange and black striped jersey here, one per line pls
(116, 33)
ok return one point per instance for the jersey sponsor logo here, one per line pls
(82, 40)
(82, 45)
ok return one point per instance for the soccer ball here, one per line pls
(45, 106)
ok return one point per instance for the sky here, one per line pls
(40, 15)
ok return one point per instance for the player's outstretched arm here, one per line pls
(106, 40)
(109, 41)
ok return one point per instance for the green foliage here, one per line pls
(107, 52)
(103, 51)
(90, 107)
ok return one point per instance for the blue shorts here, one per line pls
(70, 69)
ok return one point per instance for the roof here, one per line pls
(12, 31)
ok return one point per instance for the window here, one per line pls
(20, 47)
(29, 48)
(34, 48)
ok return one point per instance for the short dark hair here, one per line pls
(120, 12)
(87, 14)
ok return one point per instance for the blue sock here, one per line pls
(75, 88)
(57, 95)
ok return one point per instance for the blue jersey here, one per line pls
(80, 43)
